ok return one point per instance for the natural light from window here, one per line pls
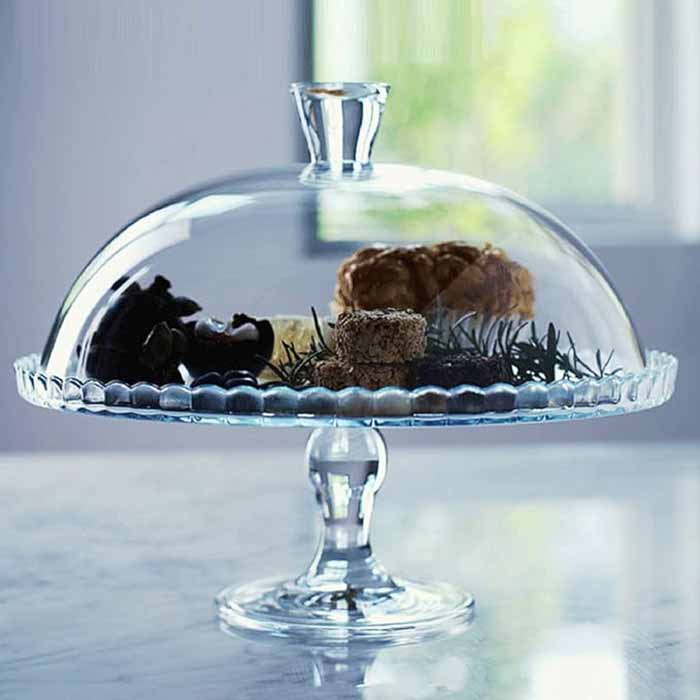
(588, 108)
(518, 93)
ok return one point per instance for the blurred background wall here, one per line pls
(107, 107)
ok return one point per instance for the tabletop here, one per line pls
(584, 560)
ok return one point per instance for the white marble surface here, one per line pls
(585, 562)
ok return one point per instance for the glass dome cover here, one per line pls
(342, 289)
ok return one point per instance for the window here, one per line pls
(583, 107)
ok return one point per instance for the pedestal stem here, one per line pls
(346, 467)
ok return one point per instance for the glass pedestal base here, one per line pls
(405, 612)
(345, 595)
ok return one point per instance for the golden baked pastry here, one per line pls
(458, 276)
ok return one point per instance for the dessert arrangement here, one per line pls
(406, 316)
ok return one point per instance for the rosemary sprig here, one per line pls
(531, 357)
(297, 369)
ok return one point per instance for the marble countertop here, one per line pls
(584, 560)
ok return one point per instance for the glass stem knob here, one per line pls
(346, 467)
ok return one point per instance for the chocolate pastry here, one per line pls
(245, 343)
(455, 276)
(452, 369)
(232, 378)
(162, 352)
(117, 349)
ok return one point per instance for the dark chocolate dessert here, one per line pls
(162, 352)
(229, 380)
(245, 343)
(117, 348)
(452, 369)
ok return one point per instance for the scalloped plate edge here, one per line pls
(386, 407)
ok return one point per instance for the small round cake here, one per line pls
(382, 336)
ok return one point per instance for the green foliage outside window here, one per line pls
(519, 93)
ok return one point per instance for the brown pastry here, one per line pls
(460, 277)
(336, 375)
(386, 336)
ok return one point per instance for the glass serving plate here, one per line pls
(365, 296)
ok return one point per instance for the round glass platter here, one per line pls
(355, 407)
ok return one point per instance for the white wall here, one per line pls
(108, 106)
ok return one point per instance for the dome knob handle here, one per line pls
(340, 122)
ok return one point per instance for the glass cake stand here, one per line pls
(345, 594)
(416, 255)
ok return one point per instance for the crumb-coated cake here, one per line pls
(386, 336)
(336, 375)
(459, 277)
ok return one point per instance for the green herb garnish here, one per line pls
(297, 368)
(532, 357)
